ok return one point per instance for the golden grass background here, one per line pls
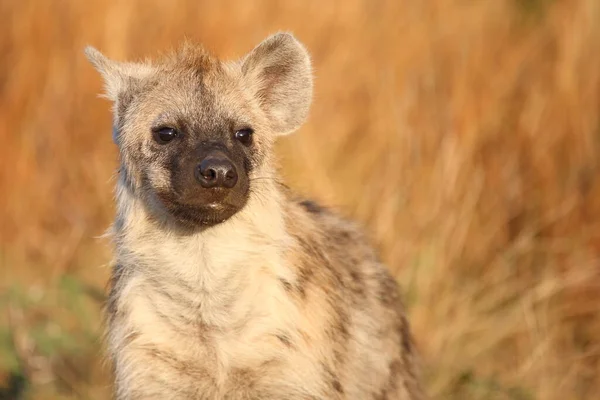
(463, 134)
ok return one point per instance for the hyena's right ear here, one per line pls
(121, 82)
(119, 77)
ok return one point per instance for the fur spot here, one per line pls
(285, 339)
(337, 386)
(312, 207)
(357, 284)
(286, 284)
(339, 328)
(388, 291)
(406, 335)
(332, 378)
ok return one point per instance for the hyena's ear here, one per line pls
(121, 81)
(279, 72)
(119, 77)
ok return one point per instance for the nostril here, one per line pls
(230, 175)
(206, 174)
(209, 174)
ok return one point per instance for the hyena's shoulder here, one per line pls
(340, 244)
(340, 273)
(339, 252)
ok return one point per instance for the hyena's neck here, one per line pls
(219, 261)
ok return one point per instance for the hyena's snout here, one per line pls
(216, 170)
(207, 183)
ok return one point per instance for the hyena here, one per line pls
(225, 284)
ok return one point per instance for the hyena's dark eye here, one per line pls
(244, 136)
(164, 135)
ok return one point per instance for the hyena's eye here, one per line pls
(164, 135)
(244, 136)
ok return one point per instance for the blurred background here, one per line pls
(463, 134)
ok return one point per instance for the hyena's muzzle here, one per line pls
(209, 183)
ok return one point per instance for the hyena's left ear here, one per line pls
(279, 72)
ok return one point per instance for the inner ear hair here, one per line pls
(279, 72)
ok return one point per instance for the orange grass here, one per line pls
(463, 134)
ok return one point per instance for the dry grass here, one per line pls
(464, 134)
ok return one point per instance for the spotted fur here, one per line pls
(282, 299)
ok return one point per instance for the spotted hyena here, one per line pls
(226, 285)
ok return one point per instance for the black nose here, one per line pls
(216, 171)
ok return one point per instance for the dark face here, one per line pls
(193, 151)
(208, 173)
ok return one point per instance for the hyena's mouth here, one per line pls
(206, 216)
(196, 212)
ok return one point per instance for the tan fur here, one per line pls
(283, 300)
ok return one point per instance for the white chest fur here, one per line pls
(203, 308)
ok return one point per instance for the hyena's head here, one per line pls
(195, 133)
